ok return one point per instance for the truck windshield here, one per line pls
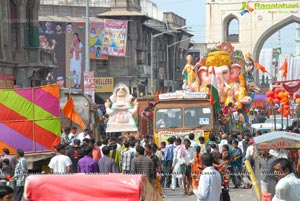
(169, 118)
(197, 116)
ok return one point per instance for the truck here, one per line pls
(181, 113)
(31, 120)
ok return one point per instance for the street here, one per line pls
(235, 195)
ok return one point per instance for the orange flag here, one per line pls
(284, 68)
(260, 67)
(69, 112)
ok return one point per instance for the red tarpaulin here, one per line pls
(84, 187)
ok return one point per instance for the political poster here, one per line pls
(75, 54)
(115, 37)
(97, 34)
(52, 36)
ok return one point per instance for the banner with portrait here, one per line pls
(97, 32)
(115, 37)
(75, 55)
(52, 36)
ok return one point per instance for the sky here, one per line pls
(194, 12)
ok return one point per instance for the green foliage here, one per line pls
(238, 53)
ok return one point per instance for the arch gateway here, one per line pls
(256, 20)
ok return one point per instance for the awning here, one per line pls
(278, 140)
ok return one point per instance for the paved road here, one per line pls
(235, 195)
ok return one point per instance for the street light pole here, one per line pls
(151, 51)
(87, 37)
(152, 57)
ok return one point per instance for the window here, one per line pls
(13, 24)
(168, 118)
(30, 31)
(194, 117)
(232, 29)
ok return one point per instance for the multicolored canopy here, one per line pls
(30, 118)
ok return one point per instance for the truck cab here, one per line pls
(181, 113)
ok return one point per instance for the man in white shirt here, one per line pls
(223, 141)
(288, 185)
(84, 134)
(186, 159)
(194, 144)
(60, 164)
(210, 183)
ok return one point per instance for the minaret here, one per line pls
(297, 40)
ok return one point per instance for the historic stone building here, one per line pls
(22, 62)
(135, 68)
(248, 24)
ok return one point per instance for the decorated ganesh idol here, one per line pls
(120, 110)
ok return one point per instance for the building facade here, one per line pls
(134, 69)
(22, 62)
(247, 24)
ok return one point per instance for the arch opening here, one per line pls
(231, 29)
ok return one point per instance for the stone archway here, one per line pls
(262, 39)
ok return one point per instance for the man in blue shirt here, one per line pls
(169, 153)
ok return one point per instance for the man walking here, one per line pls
(169, 154)
(288, 185)
(20, 174)
(87, 164)
(210, 181)
(126, 158)
(107, 164)
(60, 164)
(143, 165)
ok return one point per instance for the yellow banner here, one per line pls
(104, 84)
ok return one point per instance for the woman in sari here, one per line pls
(196, 172)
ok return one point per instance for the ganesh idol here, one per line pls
(221, 61)
(120, 110)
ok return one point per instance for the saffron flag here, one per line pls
(284, 68)
(260, 67)
(69, 112)
(214, 95)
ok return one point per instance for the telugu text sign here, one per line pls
(104, 84)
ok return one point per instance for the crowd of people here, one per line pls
(178, 163)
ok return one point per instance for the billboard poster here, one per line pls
(115, 38)
(75, 36)
(52, 36)
(96, 41)
(89, 84)
(104, 84)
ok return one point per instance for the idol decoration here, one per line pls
(121, 109)
(235, 80)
